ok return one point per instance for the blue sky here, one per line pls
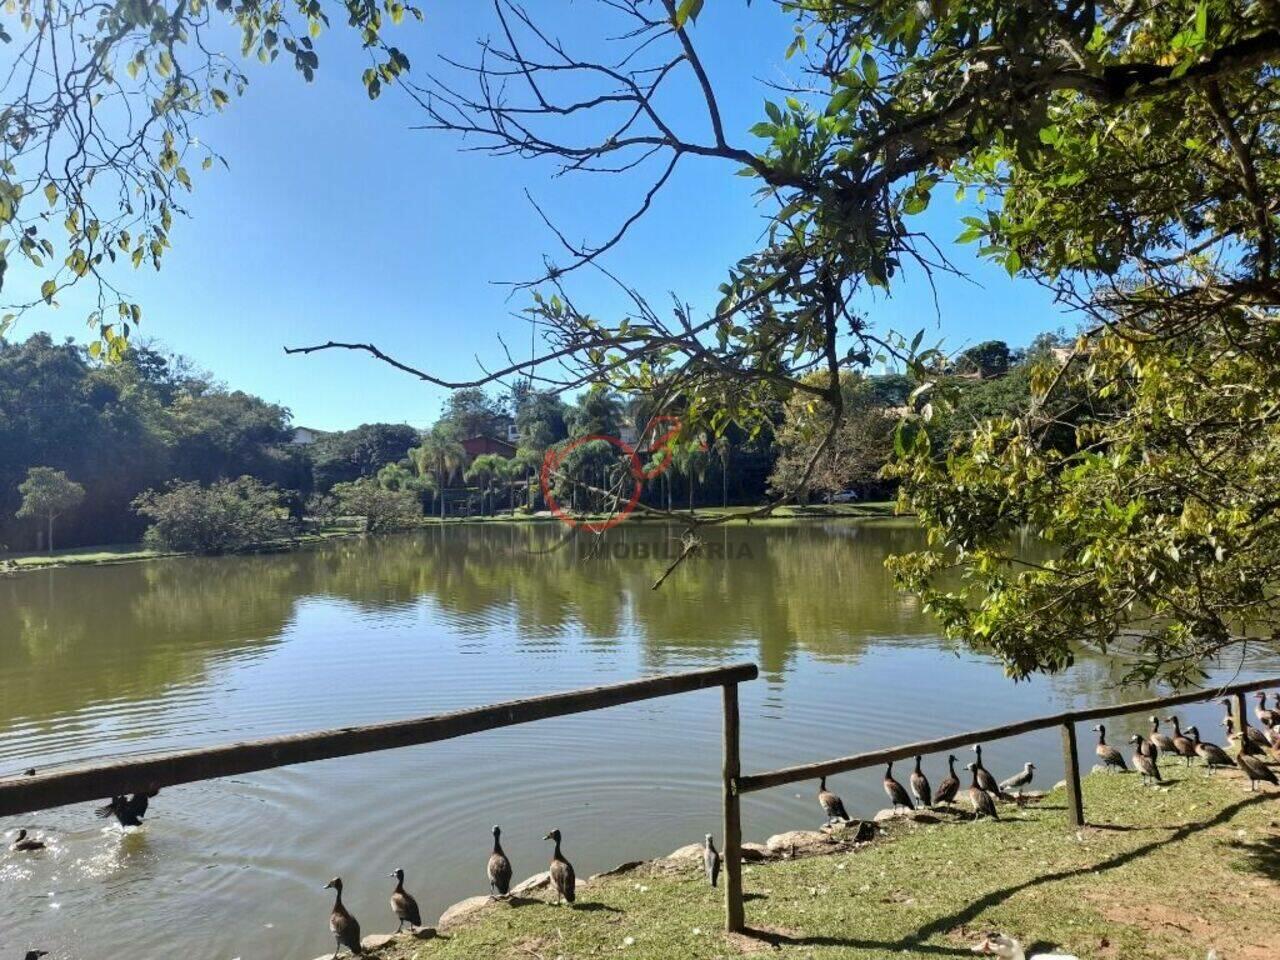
(339, 220)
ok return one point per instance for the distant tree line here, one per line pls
(103, 451)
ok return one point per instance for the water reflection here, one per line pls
(111, 660)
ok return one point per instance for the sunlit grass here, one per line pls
(1160, 874)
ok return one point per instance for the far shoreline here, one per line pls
(103, 555)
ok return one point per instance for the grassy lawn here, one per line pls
(1161, 874)
(121, 553)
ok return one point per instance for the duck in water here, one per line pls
(25, 844)
(128, 810)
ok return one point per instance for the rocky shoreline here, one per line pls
(791, 845)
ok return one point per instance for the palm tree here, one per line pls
(724, 448)
(441, 456)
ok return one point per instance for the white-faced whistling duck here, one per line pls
(1266, 717)
(980, 799)
(25, 844)
(1143, 762)
(1253, 733)
(710, 860)
(1182, 745)
(985, 780)
(1212, 754)
(128, 810)
(1109, 755)
(36, 954)
(1020, 779)
(562, 877)
(831, 805)
(896, 792)
(403, 905)
(920, 788)
(1163, 742)
(345, 927)
(499, 867)
(950, 784)
(1252, 766)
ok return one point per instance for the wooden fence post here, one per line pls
(1075, 803)
(735, 919)
(1241, 716)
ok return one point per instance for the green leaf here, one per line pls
(51, 192)
(870, 69)
(688, 10)
(47, 290)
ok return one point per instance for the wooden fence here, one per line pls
(1066, 721)
(81, 784)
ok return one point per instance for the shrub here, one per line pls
(226, 516)
(381, 509)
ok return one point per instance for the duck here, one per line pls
(1266, 717)
(499, 868)
(344, 926)
(1019, 780)
(950, 784)
(920, 788)
(128, 810)
(896, 792)
(1182, 745)
(983, 805)
(25, 844)
(1109, 755)
(1007, 948)
(1163, 742)
(1253, 733)
(402, 903)
(710, 860)
(1253, 767)
(985, 779)
(1143, 762)
(831, 804)
(36, 954)
(1212, 754)
(562, 877)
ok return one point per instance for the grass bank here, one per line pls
(872, 509)
(1161, 874)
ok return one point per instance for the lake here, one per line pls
(99, 662)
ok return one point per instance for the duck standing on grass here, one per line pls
(920, 786)
(25, 844)
(950, 784)
(1252, 766)
(1212, 754)
(831, 804)
(403, 905)
(1019, 780)
(896, 792)
(345, 927)
(499, 868)
(1182, 744)
(1265, 717)
(1254, 734)
(983, 805)
(562, 877)
(985, 780)
(1164, 742)
(1144, 763)
(1109, 755)
(710, 860)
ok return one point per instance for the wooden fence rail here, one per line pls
(1066, 721)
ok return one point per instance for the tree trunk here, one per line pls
(51, 533)
(724, 482)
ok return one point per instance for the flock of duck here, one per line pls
(1256, 749)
